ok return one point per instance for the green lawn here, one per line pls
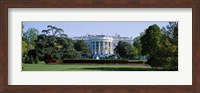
(86, 67)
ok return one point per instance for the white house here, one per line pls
(102, 45)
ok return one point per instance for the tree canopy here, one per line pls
(124, 49)
(55, 43)
(137, 46)
(151, 40)
(24, 44)
(81, 46)
(30, 36)
(161, 46)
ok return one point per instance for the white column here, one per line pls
(103, 47)
(111, 48)
(92, 48)
(99, 48)
(95, 48)
(106, 47)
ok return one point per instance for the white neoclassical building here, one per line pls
(102, 45)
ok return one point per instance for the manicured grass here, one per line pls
(86, 67)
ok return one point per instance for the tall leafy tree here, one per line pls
(175, 35)
(30, 36)
(170, 38)
(80, 45)
(24, 44)
(163, 51)
(54, 44)
(169, 29)
(137, 46)
(124, 49)
(151, 40)
(53, 31)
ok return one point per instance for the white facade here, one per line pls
(102, 45)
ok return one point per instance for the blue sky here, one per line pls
(127, 29)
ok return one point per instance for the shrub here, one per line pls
(36, 60)
(23, 59)
(31, 60)
(27, 59)
(104, 61)
(48, 58)
(165, 63)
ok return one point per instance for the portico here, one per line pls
(101, 47)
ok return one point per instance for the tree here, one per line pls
(151, 40)
(54, 31)
(31, 57)
(169, 29)
(28, 43)
(55, 44)
(175, 34)
(30, 36)
(24, 46)
(165, 53)
(80, 45)
(137, 47)
(170, 40)
(31, 60)
(124, 49)
(169, 49)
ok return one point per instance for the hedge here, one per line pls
(102, 61)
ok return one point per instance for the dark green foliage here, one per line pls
(102, 61)
(151, 40)
(164, 55)
(137, 46)
(48, 58)
(31, 60)
(81, 46)
(56, 44)
(36, 60)
(24, 48)
(27, 59)
(23, 59)
(166, 58)
(165, 63)
(32, 53)
(124, 49)
(175, 35)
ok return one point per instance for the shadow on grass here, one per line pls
(119, 69)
